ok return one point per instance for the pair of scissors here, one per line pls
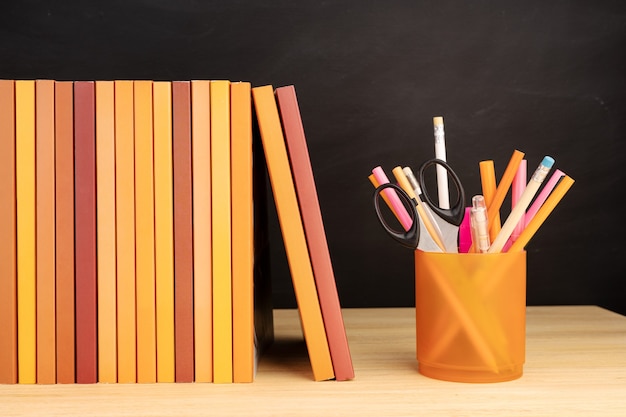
(447, 220)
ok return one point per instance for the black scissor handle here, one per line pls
(409, 238)
(456, 212)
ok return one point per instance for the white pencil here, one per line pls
(440, 153)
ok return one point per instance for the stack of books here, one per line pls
(133, 218)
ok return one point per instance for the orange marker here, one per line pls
(505, 184)
(488, 181)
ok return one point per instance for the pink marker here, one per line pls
(543, 195)
(465, 233)
(394, 200)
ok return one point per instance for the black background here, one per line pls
(544, 77)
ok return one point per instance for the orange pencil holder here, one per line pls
(470, 315)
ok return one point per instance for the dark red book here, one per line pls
(85, 231)
(314, 230)
(183, 231)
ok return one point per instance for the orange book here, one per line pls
(125, 226)
(201, 148)
(64, 143)
(290, 220)
(242, 232)
(183, 231)
(314, 230)
(45, 221)
(25, 227)
(85, 231)
(164, 229)
(221, 224)
(144, 224)
(105, 179)
(8, 267)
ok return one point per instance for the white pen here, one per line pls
(478, 224)
(522, 204)
(440, 153)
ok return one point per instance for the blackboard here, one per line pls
(547, 78)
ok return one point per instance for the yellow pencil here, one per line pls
(542, 214)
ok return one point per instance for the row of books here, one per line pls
(139, 224)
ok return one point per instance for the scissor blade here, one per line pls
(426, 242)
(450, 234)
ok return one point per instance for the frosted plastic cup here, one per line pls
(470, 315)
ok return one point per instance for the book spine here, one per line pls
(183, 231)
(85, 231)
(65, 315)
(105, 179)
(242, 232)
(125, 216)
(201, 148)
(164, 229)
(221, 227)
(144, 223)
(8, 252)
(25, 194)
(45, 248)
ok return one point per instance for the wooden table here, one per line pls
(575, 366)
